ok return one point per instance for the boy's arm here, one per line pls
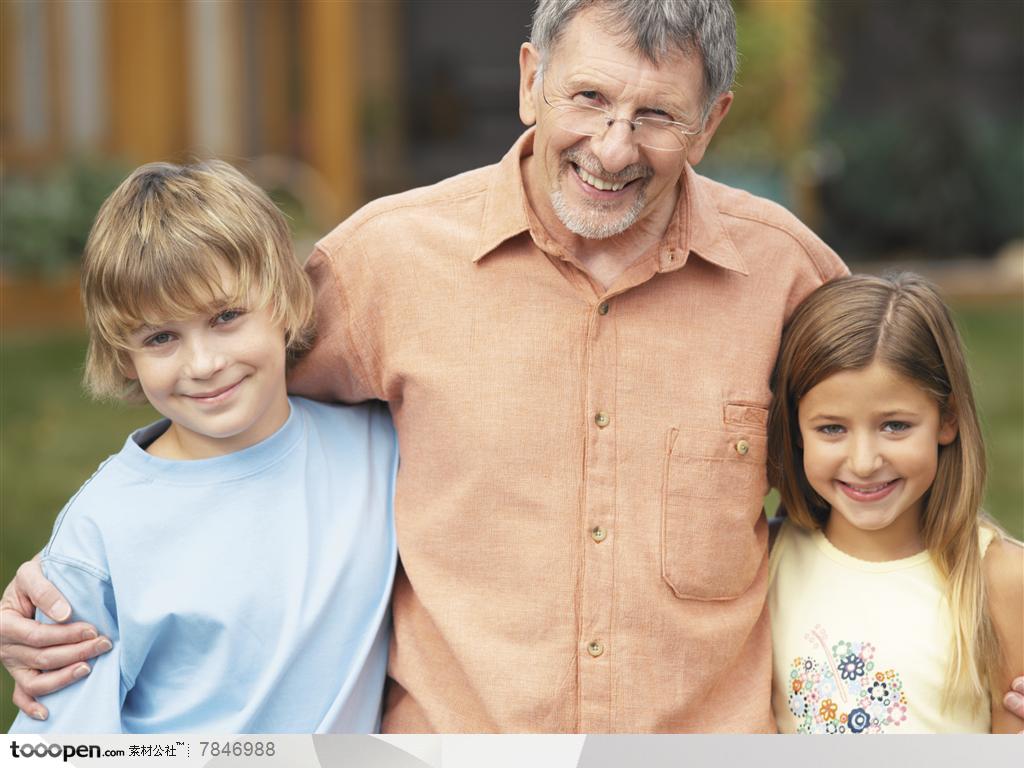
(1004, 581)
(94, 705)
(42, 658)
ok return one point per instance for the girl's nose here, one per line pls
(865, 458)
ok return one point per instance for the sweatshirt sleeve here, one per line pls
(93, 704)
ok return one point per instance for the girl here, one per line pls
(896, 603)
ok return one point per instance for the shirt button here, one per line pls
(602, 308)
(594, 648)
(742, 447)
(602, 419)
(599, 534)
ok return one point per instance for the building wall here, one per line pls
(162, 80)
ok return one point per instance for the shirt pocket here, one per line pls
(713, 490)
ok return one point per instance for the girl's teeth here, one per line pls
(593, 181)
(871, 489)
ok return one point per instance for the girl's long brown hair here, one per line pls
(902, 322)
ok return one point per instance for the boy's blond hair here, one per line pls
(153, 255)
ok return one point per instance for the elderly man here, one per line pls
(575, 344)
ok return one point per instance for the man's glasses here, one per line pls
(651, 132)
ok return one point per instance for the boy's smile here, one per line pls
(217, 395)
(219, 377)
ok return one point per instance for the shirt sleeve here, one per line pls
(340, 365)
(93, 704)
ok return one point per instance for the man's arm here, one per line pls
(340, 366)
(94, 705)
(1013, 702)
(42, 658)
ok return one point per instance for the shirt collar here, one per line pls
(697, 228)
(696, 225)
(505, 208)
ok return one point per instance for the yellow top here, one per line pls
(861, 647)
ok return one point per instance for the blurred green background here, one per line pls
(895, 130)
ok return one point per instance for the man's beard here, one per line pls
(591, 219)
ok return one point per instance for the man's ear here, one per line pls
(699, 143)
(948, 426)
(529, 69)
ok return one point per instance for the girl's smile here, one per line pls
(870, 449)
(866, 493)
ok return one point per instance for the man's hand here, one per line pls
(1014, 700)
(42, 658)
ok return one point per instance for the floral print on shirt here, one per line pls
(847, 692)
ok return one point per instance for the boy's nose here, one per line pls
(204, 360)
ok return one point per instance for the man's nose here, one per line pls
(616, 147)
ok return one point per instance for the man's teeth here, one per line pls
(593, 181)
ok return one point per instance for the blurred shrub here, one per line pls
(925, 125)
(784, 81)
(937, 184)
(45, 219)
(887, 127)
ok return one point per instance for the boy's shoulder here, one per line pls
(358, 441)
(101, 503)
(344, 420)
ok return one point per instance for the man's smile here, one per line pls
(594, 181)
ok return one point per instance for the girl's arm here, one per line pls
(1004, 581)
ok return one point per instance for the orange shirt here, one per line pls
(579, 501)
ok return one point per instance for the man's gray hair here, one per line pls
(656, 28)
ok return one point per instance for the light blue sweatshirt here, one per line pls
(246, 593)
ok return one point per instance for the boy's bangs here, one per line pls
(175, 286)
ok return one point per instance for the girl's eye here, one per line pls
(158, 339)
(831, 429)
(895, 426)
(227, 316)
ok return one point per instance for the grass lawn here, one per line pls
(53, 436)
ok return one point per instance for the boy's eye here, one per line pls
(158, 339)
(228, 315)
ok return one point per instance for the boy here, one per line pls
(194, 302)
